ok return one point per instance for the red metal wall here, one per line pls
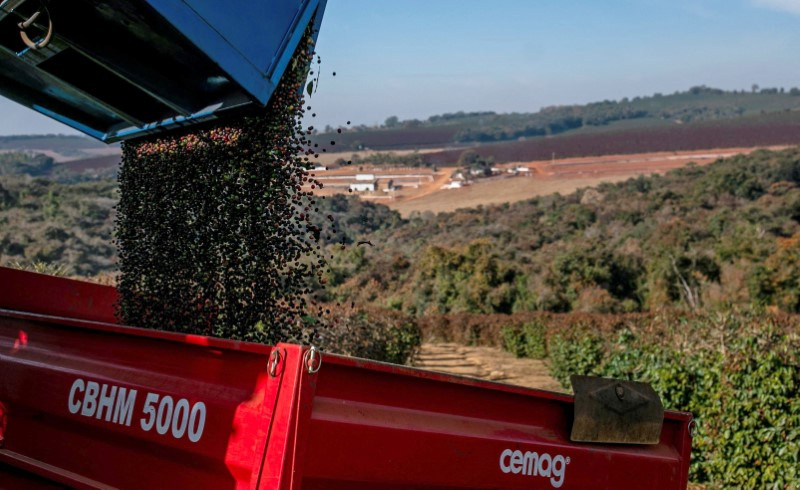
(68, 414)
(57, 296)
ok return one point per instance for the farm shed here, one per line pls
(364, 186)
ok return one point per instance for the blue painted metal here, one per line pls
(126, 68)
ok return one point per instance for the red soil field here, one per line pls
(769, 130)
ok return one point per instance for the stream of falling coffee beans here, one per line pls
(213, 225)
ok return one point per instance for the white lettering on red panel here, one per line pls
(535, 464)
(116, 404)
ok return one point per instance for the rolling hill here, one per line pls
(696, 105)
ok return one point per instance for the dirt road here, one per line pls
(489, 363)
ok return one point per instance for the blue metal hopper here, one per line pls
(121, 69)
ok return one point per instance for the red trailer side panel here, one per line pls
(98, 405)
(94, 408)
(56, 296)
(382, 426)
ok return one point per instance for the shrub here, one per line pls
(527, 341)
(487, 329)
(513, 341)
(736, 372)
(41, 267)
(371, 333)
(574, 356)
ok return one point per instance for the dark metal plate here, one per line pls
(612, 411)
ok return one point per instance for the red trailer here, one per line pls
(88, 403)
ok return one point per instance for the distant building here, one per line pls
(523, 170)
(452, 185)
(365, 177)
(320, 168)
(364, 186)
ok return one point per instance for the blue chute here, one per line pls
(122, 69)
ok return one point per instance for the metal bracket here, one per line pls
(613, 411)
(275, 359)
(312, 360)
(27, 23)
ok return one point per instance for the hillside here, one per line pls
(69, 224)
(58, 224)
(52, 165)
(780, 128)
(43, 216)
(699, 118)
(717, 234)
(58, 146)
(696, 105)
(726, 233)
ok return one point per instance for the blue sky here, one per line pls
(416, 58)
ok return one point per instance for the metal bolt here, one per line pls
(275, 359)
(620, 391)
(313, 360)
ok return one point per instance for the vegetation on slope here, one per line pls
(715, 235)
(736, 369)
(722, 234)
(22, 163)
(42, 221)
(775, 129)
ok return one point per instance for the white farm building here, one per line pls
(364, 186)
(452, 185)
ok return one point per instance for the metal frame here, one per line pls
(255, 83)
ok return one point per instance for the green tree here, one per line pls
(777, 281)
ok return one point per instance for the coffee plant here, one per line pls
(738, 373)
(371, 333)
(529, 340)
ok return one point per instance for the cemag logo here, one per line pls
(531, 463)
